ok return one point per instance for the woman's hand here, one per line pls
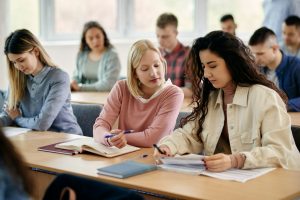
(119, 139)
(218, 162)
(163, 148)
(12, 113)
(74, 86)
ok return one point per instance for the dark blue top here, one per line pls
(288, 74)
(46, 103)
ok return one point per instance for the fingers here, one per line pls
(217, 163)
(119, 140)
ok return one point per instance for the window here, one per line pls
(63, 20)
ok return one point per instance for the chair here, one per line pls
(296, 135)
(180, 116)
(83, 188)
(86, 115)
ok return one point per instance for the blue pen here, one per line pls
(125, 132)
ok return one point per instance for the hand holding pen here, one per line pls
(161, 151)
(117, 138)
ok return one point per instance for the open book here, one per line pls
(88, 144)
(193, 164)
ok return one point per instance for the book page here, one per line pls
(10, 131)
(240, 175)
(89, 144)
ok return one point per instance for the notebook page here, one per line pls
(240, 175)
(10, 131)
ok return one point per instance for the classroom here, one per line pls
(151, 99)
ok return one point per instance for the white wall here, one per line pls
(4, 7)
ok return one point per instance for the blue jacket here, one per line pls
(288, 74)
(46, 104)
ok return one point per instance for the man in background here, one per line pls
(173, 51)
(291, 36)
(281, 69)
(228, 24)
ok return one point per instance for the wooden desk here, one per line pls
(278, 184)
(295, 118)
(100, 98)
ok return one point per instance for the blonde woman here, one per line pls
(145, 103)
(39, 92)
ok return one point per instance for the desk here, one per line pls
(100, 98)
(278, 184)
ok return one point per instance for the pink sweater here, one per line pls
(150, 121)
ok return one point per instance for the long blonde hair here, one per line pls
(137, 51)
(18, 42)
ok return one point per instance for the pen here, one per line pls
(125, 132)
(158, 149)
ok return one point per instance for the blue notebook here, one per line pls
(126, 169)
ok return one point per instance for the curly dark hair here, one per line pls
(239, 61)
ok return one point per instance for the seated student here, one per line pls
(240, 120)
(281, 69)
(144, 103)
(39, 93)
(227, 24)
(291, 36)
(173, 51)
(97, 66)
(15, 181)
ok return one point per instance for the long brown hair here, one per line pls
(239, 61)
(15, 166)
(87, 26)
(18, 42)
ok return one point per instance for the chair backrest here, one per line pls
(86, 115)
(87, 189)
(180, 116)
(296, 135)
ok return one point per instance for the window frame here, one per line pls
(124, 22)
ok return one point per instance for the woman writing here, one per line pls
(240, 119)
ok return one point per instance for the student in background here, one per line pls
(227, 24)
(240, 120)
(281, 69)
(39, 92)
(97, 65)
(15, 181)
(144, 103)
(276, 11)
(291, 36)
(173, 51)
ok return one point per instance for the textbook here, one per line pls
(126, 169)
(52, 149)
(189, 164)
(88, 144)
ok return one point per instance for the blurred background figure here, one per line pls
(97, 65)
(228, 24)
(291, 36)
(275, 12)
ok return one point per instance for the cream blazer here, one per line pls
(258, 126)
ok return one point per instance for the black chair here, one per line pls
(83, 188)
(180, 116)
(86, 115)
(296, 135)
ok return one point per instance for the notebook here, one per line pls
(88, 144)
(192, 164)
(51, 148)
(126, 169)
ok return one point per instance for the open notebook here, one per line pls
(88, 144)
(193, 164)
(10, 131)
